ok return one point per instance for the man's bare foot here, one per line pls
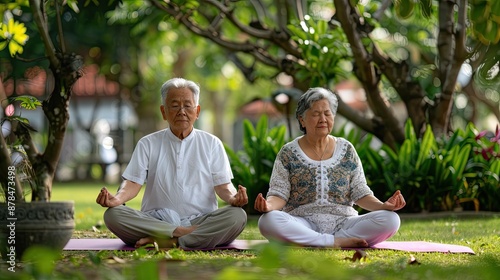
(349, 242)
(162, 243)
(181, 231)
(166, 243)
(144, 241)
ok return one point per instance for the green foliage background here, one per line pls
(434, 174)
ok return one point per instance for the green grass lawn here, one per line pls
(274, 261)
(87, 212)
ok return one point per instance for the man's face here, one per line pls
(180, 111)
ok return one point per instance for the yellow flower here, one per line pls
(14, 35)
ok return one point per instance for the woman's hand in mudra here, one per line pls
(395, 202)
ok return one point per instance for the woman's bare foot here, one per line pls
(162, 243)
(349, 242)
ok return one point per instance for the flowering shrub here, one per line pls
(436, 174)
(483, 169)
(14, 36)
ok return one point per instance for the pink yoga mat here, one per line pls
(239, 244)
(93, 244)
(423, 246)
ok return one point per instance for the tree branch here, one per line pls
(410, 91)
(380, 12)
(59, 25)
(278, 37)
(40, 21)
(367, 74)
(473, 93)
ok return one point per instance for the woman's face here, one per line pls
(180, 111)
(318, 120)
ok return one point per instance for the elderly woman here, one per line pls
(316, 180)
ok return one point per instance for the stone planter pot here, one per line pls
(26, 224)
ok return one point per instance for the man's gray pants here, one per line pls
(218, 228)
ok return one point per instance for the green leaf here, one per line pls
(495, 8)
(426, 6)
(19, 119)
(440, 173)
(298, 31)
(146, 270)
(404, 8)
(43, 260)
(27, 126)
(410, 132)
(261, 129)
(451, 141)
(365, 144)
(390, 153)
(248, 134)
(389, 179)
(375, 160)
(492, 33)
(404, 156)
(28, 102)
(428, 142)
(322, 27)
(495, 167)
(479, 11)
(486, 31)
(460, 161)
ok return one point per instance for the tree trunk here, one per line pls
(390, 131)
(66, 71)
(10, 183)
(452, 53)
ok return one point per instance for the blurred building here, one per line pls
(252, 111)
(101, 127)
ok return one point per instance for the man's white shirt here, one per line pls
(180, 175)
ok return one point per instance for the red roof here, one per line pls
(258, 107)
(35, 83)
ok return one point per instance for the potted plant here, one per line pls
(40, 220)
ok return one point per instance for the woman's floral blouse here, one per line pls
(323, 192)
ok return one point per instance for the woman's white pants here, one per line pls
(374, 227)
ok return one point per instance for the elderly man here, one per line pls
(184, 169)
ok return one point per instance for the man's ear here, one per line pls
(163, 112)
(198, 109)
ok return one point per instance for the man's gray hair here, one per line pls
(312, 95)
(180, 83)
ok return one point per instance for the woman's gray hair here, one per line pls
(180, 83)
(312, 95)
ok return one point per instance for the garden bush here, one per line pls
(460, 170)
(253, 165)
(437, 174)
